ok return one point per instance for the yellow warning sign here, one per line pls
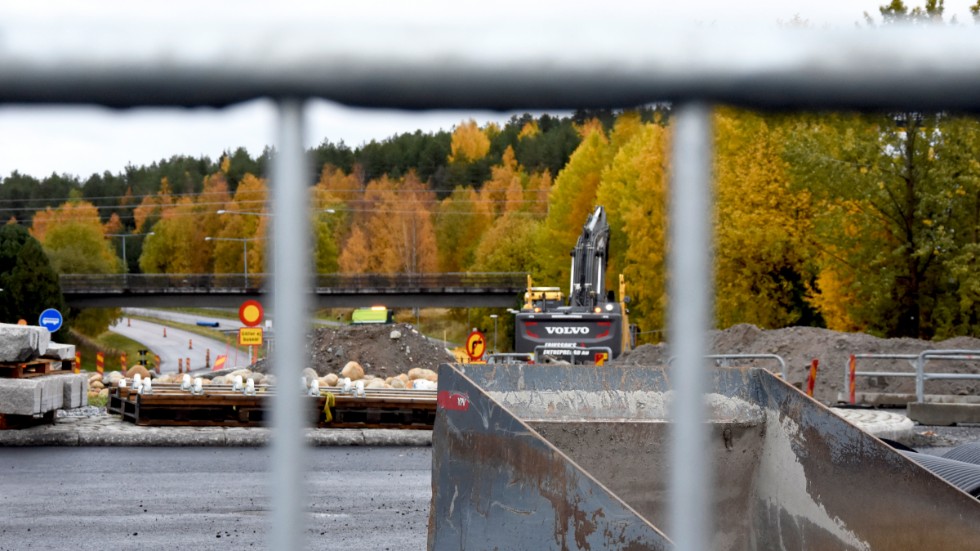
(250, 336)
(476, 345)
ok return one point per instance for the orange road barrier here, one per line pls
(77, 368)
(190, 344)
(180, 365)
(122, 362)
(852, 365)
(812, 379)
(100, 363)
(188, 364)
(156, 357)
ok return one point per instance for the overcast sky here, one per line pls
(81, 141)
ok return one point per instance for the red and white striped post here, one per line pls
(812, 379)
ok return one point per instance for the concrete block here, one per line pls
(60, 351)
(21, 343)
(75, 390)
(926, 413)
(20, 396)
(52, 393)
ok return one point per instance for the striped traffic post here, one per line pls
(812, 379)
(100, 363)
(77, 368)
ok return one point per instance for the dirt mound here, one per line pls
(383, 350)
(798, 346)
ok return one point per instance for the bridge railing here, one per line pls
(324, 283)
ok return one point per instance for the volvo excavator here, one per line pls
(592, 326)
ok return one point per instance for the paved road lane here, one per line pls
(206, 498)
(175, 345)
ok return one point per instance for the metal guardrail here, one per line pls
(917, 362)
(460, 282)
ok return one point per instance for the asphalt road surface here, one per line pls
(177, 345)
(207, 498)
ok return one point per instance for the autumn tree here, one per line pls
(763, 253)
(572, 200)
(396, 225)
(72, 237)
(633, 189)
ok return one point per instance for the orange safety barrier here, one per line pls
(77, 367)
(180, 365)
(156, 358)
(852, 365)
(100, 363)
(122, 362)
(812, 379)
(190, 344)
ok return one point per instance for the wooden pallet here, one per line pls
(33, 368)
(167, 405)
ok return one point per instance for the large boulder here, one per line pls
(144, 373)
(352, 371)
(21, 343)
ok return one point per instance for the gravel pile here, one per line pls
(798, 346)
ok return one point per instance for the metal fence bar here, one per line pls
(688, 319)
(624, 63)
(291, 284)
(847, 366)
(951, 355)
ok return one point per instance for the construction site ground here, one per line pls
(386, 350)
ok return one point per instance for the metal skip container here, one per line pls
(576, 457)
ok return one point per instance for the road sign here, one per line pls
(50, 319)
(476, 345)
(250, 313)
(250, 336)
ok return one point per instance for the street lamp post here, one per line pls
(494, 318)
(125, 259)
(244, 241)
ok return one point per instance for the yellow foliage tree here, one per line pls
(634, 190)
(573, 197)
(469, 143)
(763, 252)
(72, 237)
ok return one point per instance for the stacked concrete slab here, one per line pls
(22, 343)
(38, 395)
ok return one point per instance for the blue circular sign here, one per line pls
(50, 319)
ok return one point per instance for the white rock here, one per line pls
(395, 334)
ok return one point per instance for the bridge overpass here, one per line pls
(456, 290)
